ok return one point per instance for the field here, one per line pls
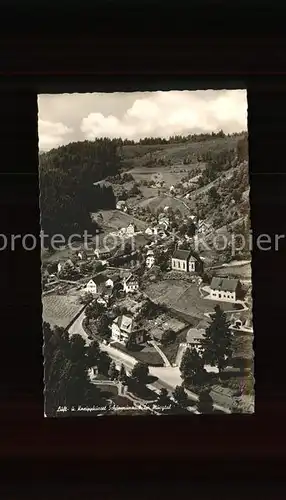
(166, 201)
(61, 254)
(60, 309)
(183, 297)
(112, 220)
(243, 272)
(171, 175)
(171, 350)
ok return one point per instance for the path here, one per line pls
(77, 329)
(182, 201)
(167, 377)
(160, 352)
(180, 352)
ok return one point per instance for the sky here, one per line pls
(64, 118)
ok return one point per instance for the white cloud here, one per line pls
(52, 135)
(168, 113)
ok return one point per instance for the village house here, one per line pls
(121, 205)
(91, 287)
(106, 294)
(203, 227)
(149, 231)
(102, 253)
(131, 229)
(130, 284)
(127, 231)
(109, 283)
(150, 259)
(65, 264)
(85, 253)
(122, 330)
(225, 289)
(183, 260)
(164, 223)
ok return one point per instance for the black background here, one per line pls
(118, 46)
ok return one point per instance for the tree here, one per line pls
(205, 403)
(67, 176)
(217, 342)
(112, 372)
(191, 229)
(183, 229)
(104, 363)
(163, 398)
(93, 354)
(242, 149)
(122, 375)
(128, 248)
(213, 195)
(92, 311)
(236, 195)
(192, 366)
(140, 373)
(66, 364)
(77, 349)
(103, 329)
(180, 396)
(86, 298)
(168, 337)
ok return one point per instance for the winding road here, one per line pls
(167, 377)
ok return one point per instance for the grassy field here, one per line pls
(60, 309)
(186, 298)
(243, 272)
(163, 201)
(171, 175)
(114, 220)
(171, 350)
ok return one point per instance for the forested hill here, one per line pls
(67, 193)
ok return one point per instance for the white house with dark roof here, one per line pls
(91, 287)
(102, 253)
(225, 289)
(150, 259)
(109, 283)
(130, 284)
(183, 260)
(121, 205)
(122, 329)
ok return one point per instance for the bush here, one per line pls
(168, 337)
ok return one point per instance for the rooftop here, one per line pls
(181, 254)
(124, 322)
(224, 284)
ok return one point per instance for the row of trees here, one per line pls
(174, 139)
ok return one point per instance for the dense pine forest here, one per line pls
(67, 177)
